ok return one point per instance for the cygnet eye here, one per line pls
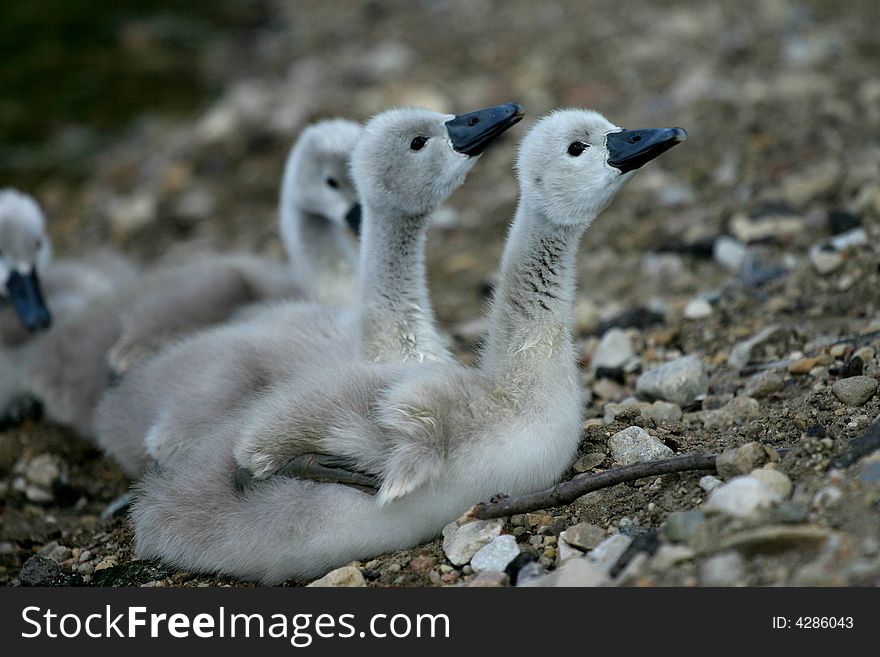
(332, 182)
(575, 148)
(418, 143)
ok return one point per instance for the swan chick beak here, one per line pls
(353, 219)
(630, 149)
(27, 299)
(471, 133)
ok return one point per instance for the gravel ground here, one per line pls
(764, 224)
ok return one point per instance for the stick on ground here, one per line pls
(568, 491)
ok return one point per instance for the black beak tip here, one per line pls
(353, 219)
(471, 133)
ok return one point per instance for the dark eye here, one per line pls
(332, 182)
(418, 143)
(575, 148)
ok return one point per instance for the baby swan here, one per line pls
(69, 367)
(26, 272)
(440, 436)
(407, 163)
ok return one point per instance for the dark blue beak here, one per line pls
(630, 149)
(353, 219)
(27, 299)
(471, 133)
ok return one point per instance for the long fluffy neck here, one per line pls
(323, 257)
(531, 317)
(395, 314)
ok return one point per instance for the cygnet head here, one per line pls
(317, 175)
(24, 251)
(572, 162)
(409, 161)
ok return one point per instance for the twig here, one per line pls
(568, 491)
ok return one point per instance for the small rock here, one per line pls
(725, 569)
(687, 527)
(109, 562)
(742, 497)
(773, 538)
(824, 259)
(39, 571)
(870, 469)
(489, 579)
(775, 480)
(709, 483)
(866, 354)
(634, 444)
(575, 572)
(730, 253)
(347, 576)
(804, 365)
(605, 555)
(764, 383)
(670, 555)
(741, 354)
(495, 555)
(855, 391)
(55, 552)
(658, 411)
(735, 413)
(42, 470)
(605, 388)
(776, 227)
(583, 535)
(697, 308)
(37, 494)
(680, 381)
(589, 461)
(613, 351)
(739, 460)
(422, 563)
(841, 221)
(565, 552)
(461, 543)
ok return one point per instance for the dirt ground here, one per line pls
(781, 101)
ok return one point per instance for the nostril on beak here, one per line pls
(474, 121)
(635, 139)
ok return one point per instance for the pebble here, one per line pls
(866, 354)
(804, 365)
(347, 576)
(39, 571)
(854, 391)
(658, 411)
(730, 253)
(741, 354)
(739, 460)
(495, 555)
(709, 483)
(734, 413)
(824, 259)
(575, 572)
(606, 554)
(55, 552)
(613, 351)
(489, 579)
(680, 381)
(775, 480)
(697, 308)
(461, 543)
(422, 563)
(565, 551)
(870, 469)
(42, 470)
(687, 527)
(634, 445)
(768, 227)
(109, 562)
(583, 535)
(37, 494)
(669, 555)
(725, 569)
(608, 389)
(763, 384)
(742, 497)
(589, 461)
